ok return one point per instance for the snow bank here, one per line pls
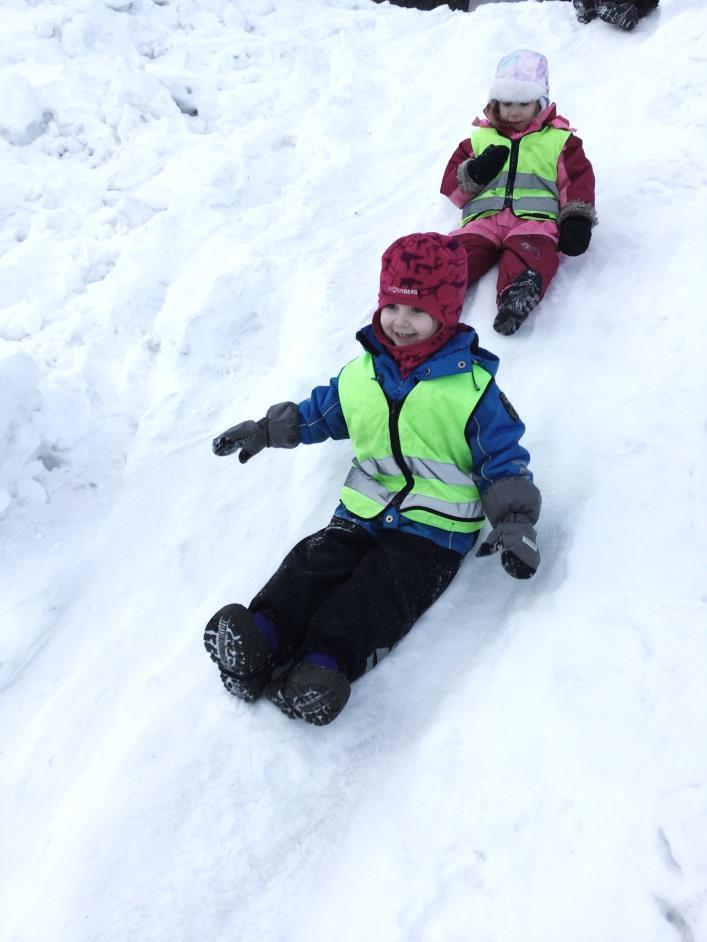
(41, 419)
(23, 118)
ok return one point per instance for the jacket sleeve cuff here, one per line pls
(465, 181)
(516, 496)
(578, 208)
(283, 425)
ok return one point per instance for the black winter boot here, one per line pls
(586, 10)
(623, 15)
(517, 301)
(311, 693)
(239, 650)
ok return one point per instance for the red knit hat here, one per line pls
(428, 271)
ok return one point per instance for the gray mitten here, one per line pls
(279, 429)
(516, 540)
(513, 506)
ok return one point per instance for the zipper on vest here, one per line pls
(394, 409)
(512, 170)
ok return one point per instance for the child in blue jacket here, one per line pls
(437, 451)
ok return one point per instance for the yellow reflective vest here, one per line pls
(527, 182)
(412, 454)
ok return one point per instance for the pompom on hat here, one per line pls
(522, 76)
(428, 271)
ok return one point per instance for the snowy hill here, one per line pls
(195, 196)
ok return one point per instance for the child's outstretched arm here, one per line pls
(287, 425)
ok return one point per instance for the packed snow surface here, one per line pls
(195, 197)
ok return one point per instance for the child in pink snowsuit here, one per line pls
(525, 188)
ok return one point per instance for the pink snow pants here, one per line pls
(516, 244)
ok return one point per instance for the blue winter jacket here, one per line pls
(493, 431)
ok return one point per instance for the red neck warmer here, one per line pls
(413, 354)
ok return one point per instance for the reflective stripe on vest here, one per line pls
(412, 455)
(530, 190)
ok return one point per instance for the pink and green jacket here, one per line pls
(572, 179)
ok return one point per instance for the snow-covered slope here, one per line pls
(530, 763)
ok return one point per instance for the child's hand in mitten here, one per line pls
(279, 429)
(488, 164)
(249, 436)
(575, 235)
(516, 540)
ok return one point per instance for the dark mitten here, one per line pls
(279, 429)
(516, 539)
(575, 235)
(486, 166)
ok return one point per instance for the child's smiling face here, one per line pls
(406, 325)
(518, 114)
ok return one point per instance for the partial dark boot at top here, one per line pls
(235, 644)
(586, 10)
(517, 301)
(311, 693)
(623, 15)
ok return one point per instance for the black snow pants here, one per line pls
(352, 596)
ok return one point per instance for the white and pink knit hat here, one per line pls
(522, 75)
